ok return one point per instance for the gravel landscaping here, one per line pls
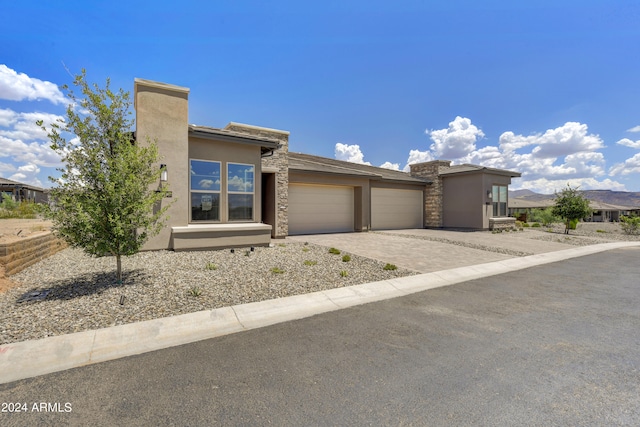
(72, 292)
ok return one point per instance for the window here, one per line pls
(499, 197)
(240, 191)
(204, 186)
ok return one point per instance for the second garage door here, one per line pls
(395, 209)
(317, 209)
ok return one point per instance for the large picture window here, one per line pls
(240, 191)
(204, 186)
(499, 197)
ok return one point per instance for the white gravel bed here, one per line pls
(82, 293)
(586, 233)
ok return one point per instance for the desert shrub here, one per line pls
(307, 262)
(334, 251)
(344, 273)
(277, 270)
(389, 267)
(346, 258)
(630, 224)
(544, 216)
(9, 208)
(536, 224)
(525, 224)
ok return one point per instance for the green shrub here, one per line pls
(346, 258)
(211, 266)
(344, 273)
(334, 251)
(535, 224)
(600, 231)
(305, 249)
(525, 225)
(310, 262)
(544, 216)
(389, 267)
(573, 224)
(630, 224)
(195, 291)
(9, 208)
(277, 270)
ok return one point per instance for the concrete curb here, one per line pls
(39, 357)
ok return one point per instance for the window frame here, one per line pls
(200, 191)
(251, 193)
(497, 201)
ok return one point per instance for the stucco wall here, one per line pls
(162, 116)
(463, 201)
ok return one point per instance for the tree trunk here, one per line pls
(118, 270)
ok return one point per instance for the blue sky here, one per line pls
(546, 88)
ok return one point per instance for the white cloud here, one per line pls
(27, 174)
(550, 186)
(457, 140)
(568, 139)
(238, 184)
(350, 153)
(629, 143)
(629, 166)
(634, 129)
(23, 125)
(20, 87)
(38, 154)
(417, 156)
(6, 168)
(392, 166)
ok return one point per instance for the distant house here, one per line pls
(23, 192)
(240, 186)
(601, 212)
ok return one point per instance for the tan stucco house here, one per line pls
(240, 185)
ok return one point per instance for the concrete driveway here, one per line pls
(426, 251)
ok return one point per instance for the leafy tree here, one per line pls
(570, 206)
(103, 202)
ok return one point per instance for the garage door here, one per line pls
(394, 209)
(320, 209)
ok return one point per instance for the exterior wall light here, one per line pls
(164, 175)
(489, 194)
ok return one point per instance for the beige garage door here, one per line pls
(394, 209)
(320, 209)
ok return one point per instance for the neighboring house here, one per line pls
(605, 212)
(600, 212)
(240, 185)
(521, 208)
(22, 192)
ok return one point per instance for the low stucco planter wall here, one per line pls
(502, 223)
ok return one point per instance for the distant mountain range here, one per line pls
(620, 198)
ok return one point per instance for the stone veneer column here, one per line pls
(278, 160)
(433, 194)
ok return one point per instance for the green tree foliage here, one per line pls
(544, 216)
(630, 224)
(571, 206)
(104, 202)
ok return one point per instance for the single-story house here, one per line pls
(22, 192)
(600, 211)
(240, 185)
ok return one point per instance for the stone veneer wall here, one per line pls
(433, 194)
(17, 256)
(278, 160)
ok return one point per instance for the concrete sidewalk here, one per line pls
(39, 357)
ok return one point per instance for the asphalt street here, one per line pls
(557, 344)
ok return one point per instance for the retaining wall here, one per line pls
(17, 256)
